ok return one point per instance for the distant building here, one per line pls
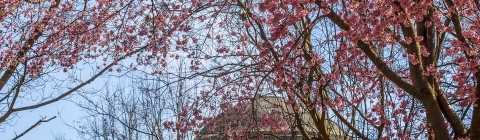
(274, 121)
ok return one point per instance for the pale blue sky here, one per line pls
(65, 110)
(46, 131)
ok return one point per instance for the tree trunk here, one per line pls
(435, 119)
(475, 125)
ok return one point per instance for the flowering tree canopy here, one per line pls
(403, 69)
(380, 69)
(42, 38)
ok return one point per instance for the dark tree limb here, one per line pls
(33, 126)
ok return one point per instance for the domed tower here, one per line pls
(269, 118)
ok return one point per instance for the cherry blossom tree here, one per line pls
(49, 46)
(409, 66)
(381, 69)
(438, 40)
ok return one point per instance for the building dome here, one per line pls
(268, 118)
